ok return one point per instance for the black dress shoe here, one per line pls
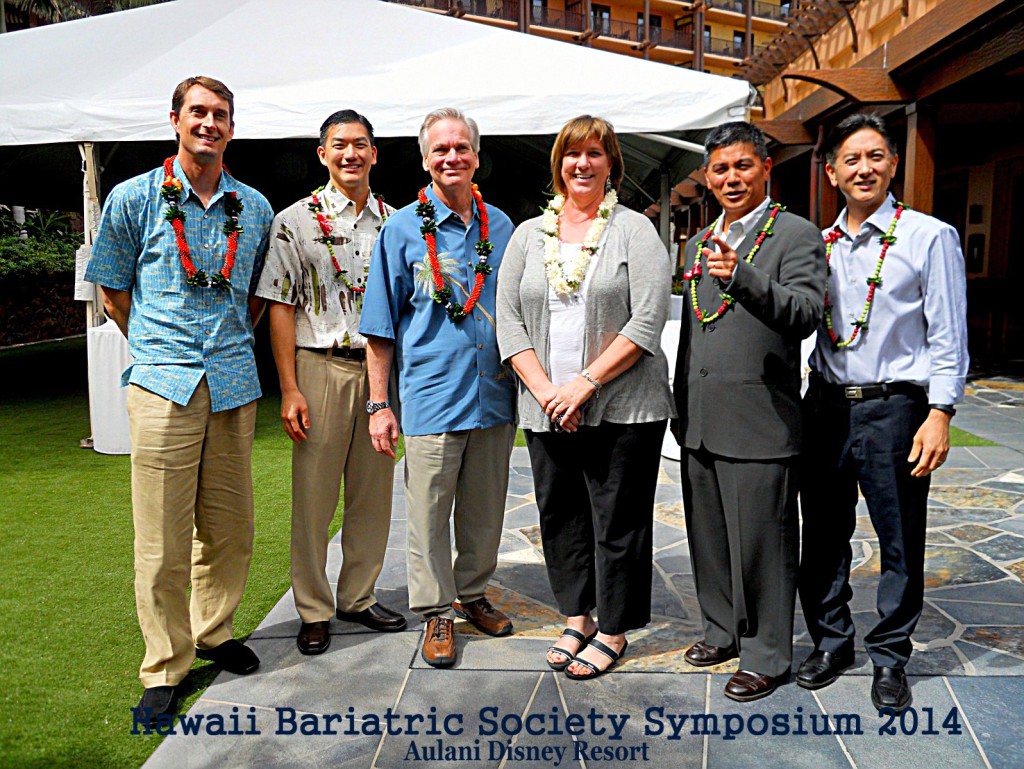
(314, 637)
(822, 668)
(889, 689)
(156, 701)
(703, 654)
(232, 656)
(377, 617)
(746, 686)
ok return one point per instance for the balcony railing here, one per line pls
(761, 9)
(557, 19)
(722, 47)
(493, 9)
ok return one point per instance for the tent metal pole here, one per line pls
(665, 215)
(91, 216)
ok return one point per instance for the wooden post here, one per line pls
(919, 162)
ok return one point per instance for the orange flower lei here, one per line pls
(442, 294)
(170, 191)
(323, 220)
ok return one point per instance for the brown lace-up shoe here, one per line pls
(439, 642)
(483, 617)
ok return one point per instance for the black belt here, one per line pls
(348, 353)
(871, 391)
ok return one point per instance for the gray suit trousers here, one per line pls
(742, 526)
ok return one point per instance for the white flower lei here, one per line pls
(563, 281)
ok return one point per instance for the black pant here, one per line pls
(595, 492)
(867, 443)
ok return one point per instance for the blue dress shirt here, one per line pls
(917, 327)
(176, 333)
(450, 375)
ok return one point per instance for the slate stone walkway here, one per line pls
(967, 670)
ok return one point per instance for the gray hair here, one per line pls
(448, 113)
(848, 127)
(738, 132)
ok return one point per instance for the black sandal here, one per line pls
(607, 651)
(576, 634)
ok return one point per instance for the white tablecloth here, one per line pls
(108, 357)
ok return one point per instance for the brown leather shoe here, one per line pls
(377, 617)
(703, 654)
(483, 617)
(439, 642)
(314, 637)
(746, 686)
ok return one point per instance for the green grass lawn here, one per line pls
(958, 437)
(70, 645)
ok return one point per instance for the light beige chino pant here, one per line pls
(469, 468)
(192, 508)
(337, 443)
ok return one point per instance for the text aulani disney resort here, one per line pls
(596, 736)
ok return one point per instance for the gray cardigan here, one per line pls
(628, 294)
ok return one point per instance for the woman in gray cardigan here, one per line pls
(583, 294)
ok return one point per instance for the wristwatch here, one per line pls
(944, 408)
(372, 407)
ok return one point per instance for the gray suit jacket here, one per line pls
(737, 385)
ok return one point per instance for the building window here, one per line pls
(539, 11)
(601, 16)
(655, 35)
(739, 43)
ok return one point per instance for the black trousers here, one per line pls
(866, 443)
(742, 529)
(595, 492)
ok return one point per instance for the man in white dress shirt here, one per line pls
(889, 366)
(314, 277)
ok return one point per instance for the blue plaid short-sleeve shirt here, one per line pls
(176, 333)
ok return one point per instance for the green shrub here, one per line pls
(32, 256)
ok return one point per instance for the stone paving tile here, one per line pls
(1017, 568)
(350, 672)
(986, 704)
(631, 699)
(508, 693)
(283, 620)
(1014, 524)
(269, 748)
(1007, 547)
(961, 457)
(901, 750)
(998, 457)
(952, 516)
(975, 613)
(961, 477)
(971, 532)
(674, 559)
(790, 708)
(1006, 639)
(1007, 590)
(944, 566)
(989, 662)
(665, 535)
(975, 497)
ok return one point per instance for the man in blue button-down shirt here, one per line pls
(889, 365)
(456, 397)
(178, 256)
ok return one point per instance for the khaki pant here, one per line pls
(337, 443)
(469, 468)
(193, 514)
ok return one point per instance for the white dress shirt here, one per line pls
(917, 327)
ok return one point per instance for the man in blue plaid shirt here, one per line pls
(178, 256)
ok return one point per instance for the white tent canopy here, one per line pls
(109, 78)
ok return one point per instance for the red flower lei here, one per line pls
(324, 221)
(873, 282)
(170, 191)
(694, 274)
(442, 294)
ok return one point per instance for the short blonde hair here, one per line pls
(574, 134)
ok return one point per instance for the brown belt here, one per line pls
(348, 353)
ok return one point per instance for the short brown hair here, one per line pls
(574, 134)
(178, 97)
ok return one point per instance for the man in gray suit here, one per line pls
(755, 284)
